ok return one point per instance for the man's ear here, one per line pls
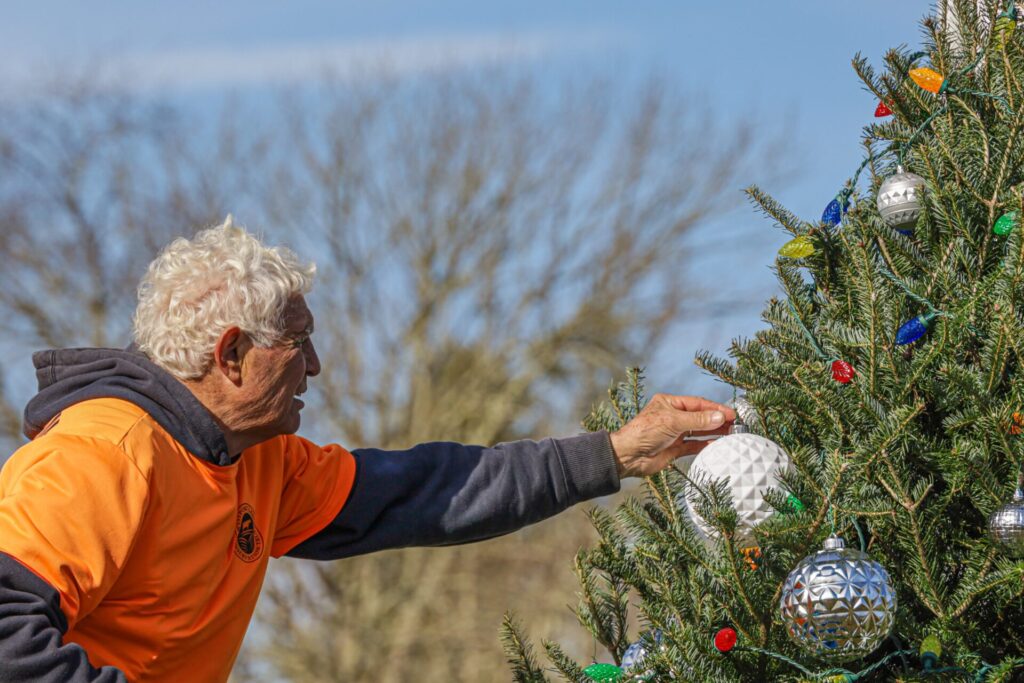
(228, 354)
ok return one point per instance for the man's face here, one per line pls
(273, 377)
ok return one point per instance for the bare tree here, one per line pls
(496, 249)
(92, 183)
(491, 248)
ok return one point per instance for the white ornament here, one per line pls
(751, 463)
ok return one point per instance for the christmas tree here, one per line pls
(881, 538)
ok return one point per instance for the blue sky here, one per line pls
(786, 63)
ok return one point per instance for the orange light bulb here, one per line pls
(927, 79)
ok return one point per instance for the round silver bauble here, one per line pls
(838, 604)
(633, 660)
(1006, 526)
(899, 200)
(751, 464)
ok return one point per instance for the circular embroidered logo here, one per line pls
(248, 540)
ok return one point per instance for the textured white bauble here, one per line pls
(752, 464)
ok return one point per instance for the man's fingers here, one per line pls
(701, 421)
(721, 431)
(697, 404)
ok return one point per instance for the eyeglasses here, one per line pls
(297, 342)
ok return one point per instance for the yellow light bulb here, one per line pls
(1004, 27)
(928, 80)
(798, 247)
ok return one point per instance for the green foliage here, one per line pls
(520, 653)
(625, 399)
(910, 458)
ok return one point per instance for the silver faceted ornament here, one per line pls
(899, 200)
(1006, 526)
(838, 604)
(633, 660)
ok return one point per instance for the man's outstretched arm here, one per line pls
(447, 493)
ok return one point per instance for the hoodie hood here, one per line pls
(70, 376)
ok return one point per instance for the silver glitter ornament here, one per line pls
(838, 604)
(1006, 526)
(899, 200)
(633, 660)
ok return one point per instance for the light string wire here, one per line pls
(847, 676)
(807, 332)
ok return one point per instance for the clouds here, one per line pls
(240, 64)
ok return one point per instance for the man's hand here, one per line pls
(658, 435)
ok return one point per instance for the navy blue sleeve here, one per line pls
(31, 627)
(448, 493)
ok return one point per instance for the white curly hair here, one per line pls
(195, 289)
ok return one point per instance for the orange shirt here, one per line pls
(159, 556)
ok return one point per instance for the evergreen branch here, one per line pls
(1013, 575)
(907, 290)
(1003, 672)
(954, 161)
(911, 506)
(771, 208)
(658, 487)
(519, 653)
(601, 612)
(565, 666)
(763, 620)
(812, 531)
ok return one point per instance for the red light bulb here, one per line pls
(882, 110)
(725, 639)
(842, 371)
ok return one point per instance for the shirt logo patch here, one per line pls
(248, 539)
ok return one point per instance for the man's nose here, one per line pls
(312, 359)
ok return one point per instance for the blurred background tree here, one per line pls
(491, 251)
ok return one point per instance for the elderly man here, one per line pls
(136, 525)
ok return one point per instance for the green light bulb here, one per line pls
(603, 673)
(1006, 223)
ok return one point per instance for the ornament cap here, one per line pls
(738, 427)
(834, 542)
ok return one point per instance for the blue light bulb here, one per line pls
(912, 330)
(834, 211)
